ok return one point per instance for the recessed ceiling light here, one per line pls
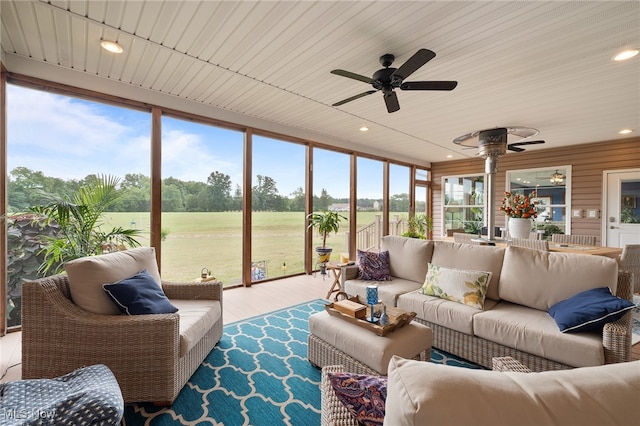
(625, 131)
(111, 46)
(449, 155)
(626, 54)
(364, 128)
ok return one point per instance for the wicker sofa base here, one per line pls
(481, 351)
(322, 354)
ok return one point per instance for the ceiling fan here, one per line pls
(496, 139)
(387, 79)
(492, 144)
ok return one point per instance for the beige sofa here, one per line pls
(422, 394)
(514, 321)
(68, 322)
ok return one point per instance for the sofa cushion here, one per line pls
(448, 314)
(388, 291)
(373, 266)
(363, 395)
(88, 274)
(457, 285)
(589, 310)
(408, 257)
(423, 393)
(535, 332)
(474, 257)
(139, 295)
(541, 279)
(197, 317)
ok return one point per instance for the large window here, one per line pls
(201, 201)
(399, 202)
(551, 188)
(463, 208)
(278, 217)
(58, 144)
(331, 191)
(369, 203)
(55, 146)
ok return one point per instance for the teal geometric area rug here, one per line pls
(258, 374)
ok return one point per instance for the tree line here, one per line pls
(217, 194)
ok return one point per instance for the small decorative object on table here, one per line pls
(398, 318)
(384, 318)
(372, 299)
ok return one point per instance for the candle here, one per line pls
(372, 294)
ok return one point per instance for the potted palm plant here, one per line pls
(326, 223)
(418, 225)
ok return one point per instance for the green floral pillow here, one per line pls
(458, 285)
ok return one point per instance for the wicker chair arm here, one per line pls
(507, 363)
(210, 290)
(616, 336)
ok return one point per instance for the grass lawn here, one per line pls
(213, 240)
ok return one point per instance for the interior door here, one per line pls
(621, 219)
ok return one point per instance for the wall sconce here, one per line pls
(557, 178)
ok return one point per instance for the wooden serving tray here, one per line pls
(397, 318)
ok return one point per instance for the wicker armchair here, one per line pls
(334, 413)
(142, 351)
(630, 261)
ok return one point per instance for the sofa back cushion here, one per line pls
(408, 257)
(423, 393)
(471, 257)
(88, 274)
(539, 279)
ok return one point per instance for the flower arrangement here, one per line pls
(519, 206)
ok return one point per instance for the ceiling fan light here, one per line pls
(626, 54)
(111, 46)
(557, 178)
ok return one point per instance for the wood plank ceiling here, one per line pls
(267, 64)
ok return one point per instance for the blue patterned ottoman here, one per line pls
(87, 396)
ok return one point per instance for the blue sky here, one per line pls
(70, 138)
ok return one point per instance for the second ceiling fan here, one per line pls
(387, 79)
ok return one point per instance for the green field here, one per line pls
(214, 241)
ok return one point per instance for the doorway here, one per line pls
(621, 218)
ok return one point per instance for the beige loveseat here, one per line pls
(514, 321)
(69, 322)
(423, 394)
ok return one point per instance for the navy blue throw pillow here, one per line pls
(589, 310)
(139, 295)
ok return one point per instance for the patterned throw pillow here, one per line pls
(364, 396)
(373, 266)
(458, 285)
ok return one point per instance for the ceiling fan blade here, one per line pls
(526, 143)
(429, 85)
(418, 59)
(391, 100)
(514, 148)
(352, 75)
(353, 98)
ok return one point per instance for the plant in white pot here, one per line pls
(326, 223)
(520, 209)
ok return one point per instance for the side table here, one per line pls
(337, 269)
